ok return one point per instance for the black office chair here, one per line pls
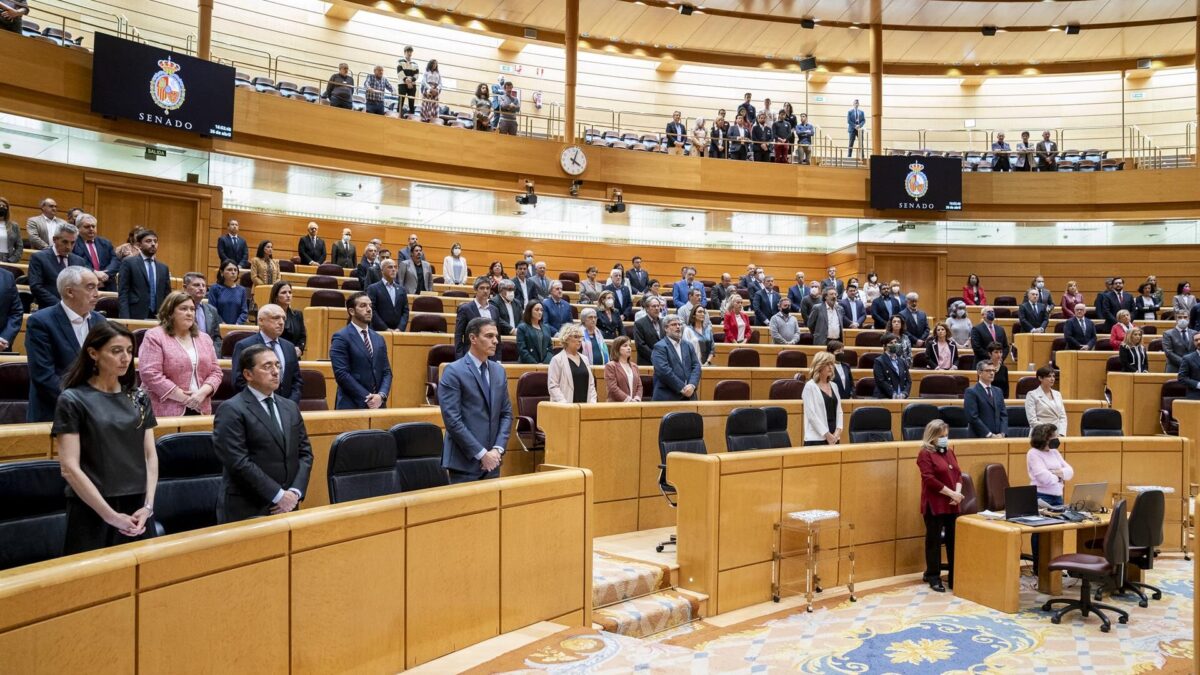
(1145, 536)
(1091, 569)
(955, 418)
(189, 482)
(871, 425)
(33, 517)
(677, 432)
(1018, 423)
(914, 418)
(1100, 422)
(362, 464)
(418, 456)
(777, 427)
(746, 429)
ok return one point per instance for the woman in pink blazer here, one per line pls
(621, 375)
(177, 362)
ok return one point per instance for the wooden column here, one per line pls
(876, 89)
(204, 29)
(571, 46)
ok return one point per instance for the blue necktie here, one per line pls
(153, 286)
(487, 389)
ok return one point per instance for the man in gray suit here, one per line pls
(43, 227)
(262, 444)
(207, 318)
(473, 397)
(416, 274)
(826, 319)
(1177, 342)
(676, 367)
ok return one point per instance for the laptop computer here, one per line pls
(1088, 496)
(1020, 506)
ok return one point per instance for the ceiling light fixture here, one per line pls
(686, 10)
(808, 23)
(1073, 29)
(988, 31)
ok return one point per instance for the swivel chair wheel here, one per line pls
(1104, 628)
(1058, 620)
(659, 548)
(1122, 619)
(1157, 595)
(774, 598)
(1046, 607)
(1143, 603)
(1099, 595)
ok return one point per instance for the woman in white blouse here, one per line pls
(570, 379)
(822, 403)
(1044, 405)
(454, 266)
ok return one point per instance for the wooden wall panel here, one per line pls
(101, 639)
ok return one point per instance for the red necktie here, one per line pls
(91, 247)
(992, 330)
(367, 343)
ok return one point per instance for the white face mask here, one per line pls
(761, 276)
(455, 253)
(345, 237)
(895, 290)
(507, 295)
(608, 302)
(1041, 284)
(1181, 324)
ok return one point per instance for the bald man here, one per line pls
(312, 247)
(270, 331)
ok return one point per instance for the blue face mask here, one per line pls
(941, 444)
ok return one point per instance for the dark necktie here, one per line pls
(276, 427)
(487, 389)
(275, 348)
(62, 261)
(153, 286)
(367, 343)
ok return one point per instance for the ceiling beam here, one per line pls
(512, 45)
(340, 12)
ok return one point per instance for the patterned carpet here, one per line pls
(900, 629)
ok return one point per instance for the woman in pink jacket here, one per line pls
(177, 362)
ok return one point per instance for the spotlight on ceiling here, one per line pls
(808, 23)
(529, 198)
(618, 205)
(686, 10)
(989, 31)
(1073, 29)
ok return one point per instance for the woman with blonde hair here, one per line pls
(1133, 353)
(736, 322)
(822, 403)
(1120, 329)
(1071, 298)
(569, 379)
(941, 496)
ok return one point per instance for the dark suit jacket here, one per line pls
(1134, 360)
(1176, 344)
(344, 254)
(294, 329)
(638, 279)
(51, 348)
(357, 374)
(466, 312)
(1189, 374)
(368, 274)
(11, 309)
(237, 251)
(505, 326)
(931, 353)
(766, 304)
(311, 253)
(212, 325)
(258, 459)
(291, 384)
(526, 291)
(388, 316)
(1077, 337)
(475, 420)
(986, 412)
(881, 313)
(844, 380)
(1109, 308)
(534, 344)
(43, 275)
(671, 375)
(645, 338)
(916, 325)
(674, 131)
(796, 294)
(622, 300)
(859, 307)
(133, 288)
(981, 338)
(1033, 316)
(888, 382)
(107, 256)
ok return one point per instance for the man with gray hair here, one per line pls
(208, 320)
(556, 309)
(270, 333)
(676, 366)
(44, 226)
(648, 331)
(389, 300)
(46, 264)
(984, 404)
(377, 86)
(55, 334)
(508, 308)
(916, 322)
(97, 251)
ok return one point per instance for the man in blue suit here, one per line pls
(1189, 370)
(853, 308)
(984, 405)
(476, 411)
(232, 247)
(389, 300)
(681, 288)
(360, 360)
(142, 282)
(1079, 332)
(622, 298)
(797, 291)
(97, 252)
(46, 264)
(270, 333)
(481, 307)
(884, 307)
(855, 121)
(765, 302)
(676, 368)
(54, 335)
(10, 311)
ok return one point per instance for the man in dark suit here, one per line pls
(11, 311)
(481, 307)
(639, 278)
(648, 331)
(539, 277)
(1117, 300)
(270, 333)
(1189, 369)
(676, 135)
(855, 121)
(360, 360)
(884, 307)
(311, 247)
(622, 298)
(843, 378)
(260, 438)
(97, 252)
(406, 252)
(676, 368)
(525, 290)
(985, 333)
(368, 271)
(763, 138)
(54, 335)
(476, 411)
(45, 265)
(208, 320)
(984, 405)
(142, 282)
(797, 291)
(389, 301)
(1079, 332)
(1032, 315)
(831, 281)
(916, 323)
(747, 108)
(892, 379)
(853, 309)
(721, 291)
(739, 141)
(232, 247)
(416, 274)
(507, 310)
(1176, 342)
(766, 302)
(344, 253)
(812, 300)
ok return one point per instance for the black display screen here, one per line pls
(916, 183)
(153, 85)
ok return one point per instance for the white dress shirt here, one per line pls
(79, 324)
(261, 398)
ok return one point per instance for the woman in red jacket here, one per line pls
(973, 292)
(736, 322)
(941, 494)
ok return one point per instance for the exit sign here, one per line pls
(819, 99)
(1137, 95)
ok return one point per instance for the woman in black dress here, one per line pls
(104, 428)
(293, 322)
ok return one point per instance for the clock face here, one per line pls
(573, 161)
